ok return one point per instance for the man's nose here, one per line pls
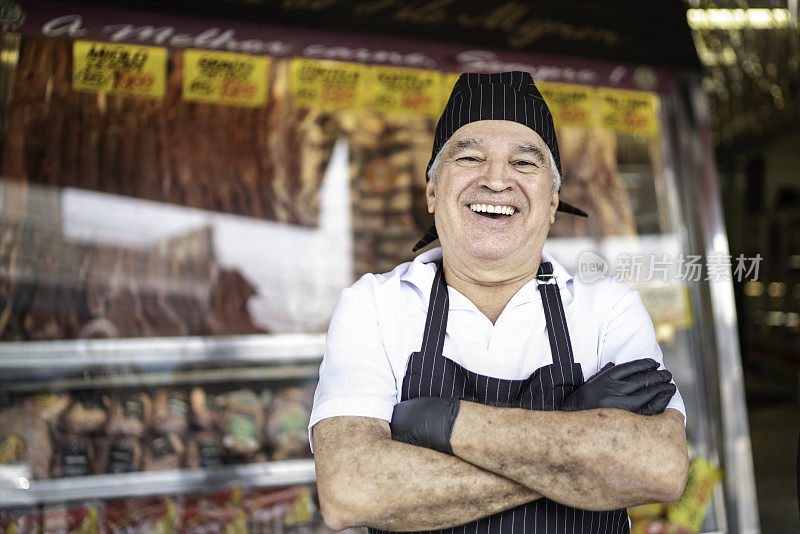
(495, 175)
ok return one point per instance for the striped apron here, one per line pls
(430, 374)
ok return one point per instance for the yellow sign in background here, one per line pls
(401, 91)
(571, 105)
(631, 112)
(687, 514)
(119, 69)
(225, 78)
(668, 305)
(327, 85)
(448, 81)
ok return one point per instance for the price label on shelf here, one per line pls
(327, 85)
(225, 78)
(630, 112)
(571, 105)
(405, 91)
(119, 69)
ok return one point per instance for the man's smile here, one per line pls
(493, 208)
(492, 214)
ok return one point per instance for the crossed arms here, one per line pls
(593, 458)
(600, 459)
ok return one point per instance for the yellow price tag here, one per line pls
(327, 85)
(225, 78)
(119, 69)
(401, 91)
(631, 112)
(571, 105)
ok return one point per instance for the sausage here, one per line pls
(170, 411)
(243, 422)
(287, 424)
(206, 410)
(129, 416)
(204, 449)
(163, 451)
(87, 414)
(122, 454)
(75, 456)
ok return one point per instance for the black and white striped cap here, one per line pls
(510, 96)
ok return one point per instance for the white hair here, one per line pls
(556, 176)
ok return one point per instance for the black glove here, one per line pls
(633, 386)
(426, 422)
(659, 402)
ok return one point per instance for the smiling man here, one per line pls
(482, 386)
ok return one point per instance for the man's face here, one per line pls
(495, 163)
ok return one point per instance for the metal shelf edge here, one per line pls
(163, 350)
(172, 378)
(169, 482)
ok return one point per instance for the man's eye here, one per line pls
(468, 158)
(524, 163)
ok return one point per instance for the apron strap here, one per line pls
(560, 345)
(436, 321)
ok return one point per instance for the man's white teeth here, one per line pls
(489, 208)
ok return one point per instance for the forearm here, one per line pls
(595, 459)
(364, 478)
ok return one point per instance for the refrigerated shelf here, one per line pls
(22, 492)
(170, 378)
(57, 356)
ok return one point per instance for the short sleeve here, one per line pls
(629, 335)
(355, 377)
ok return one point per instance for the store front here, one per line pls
(183, 199)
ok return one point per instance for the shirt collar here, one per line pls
(421, 272)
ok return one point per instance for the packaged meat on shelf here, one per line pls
(114, 432)
(233, 510)
(140, 433)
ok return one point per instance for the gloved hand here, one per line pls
(659, 401)
(633, 386)
(426, 422)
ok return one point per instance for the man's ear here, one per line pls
(553, 207)
(430, 196)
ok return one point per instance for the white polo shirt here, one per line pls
(379, 321)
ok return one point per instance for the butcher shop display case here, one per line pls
(149, 432)
(183, 199)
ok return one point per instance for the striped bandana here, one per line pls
(510, 96)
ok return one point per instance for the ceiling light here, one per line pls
(739, 19)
